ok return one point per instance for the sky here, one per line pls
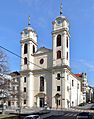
(80, 14)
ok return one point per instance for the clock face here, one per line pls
(59, 21)
(26, 32)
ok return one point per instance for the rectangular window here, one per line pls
(78, 86)
(72, 82)
(13, 88)
(24, 89)
(67, 77)
(58, 88)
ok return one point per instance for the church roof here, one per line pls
(78, 75)
(42, 50)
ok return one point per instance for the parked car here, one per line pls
(92, 107)
(83, 115)
(82, 104)
(32, 117)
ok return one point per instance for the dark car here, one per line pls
(83, 115)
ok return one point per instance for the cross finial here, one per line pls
(29, 21)
(61, 8)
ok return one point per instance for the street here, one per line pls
(66, 115)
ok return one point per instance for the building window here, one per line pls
(17, 88)
(72, 82)
(67, 55)
(24, 79)
(13, 88)
(67, 77)
(78, 86)
(59, 40)
(25, 48)
(41, 83)
(68, 88)
(58, 76)
(72, 103)
(58, 54)
(24, 101)
(58, 88)
(25, 60)
(41, 61)
(33, 49)
(67, 42)
(24, 89)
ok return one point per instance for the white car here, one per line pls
(32, 117)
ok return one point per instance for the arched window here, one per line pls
(41, 83)
(25, 60)
(59, 40)
(33, 49)
(58, 76)
(58, 54)
(25, 48)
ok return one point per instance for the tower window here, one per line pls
(25, 60)
(24, 79)
(58, 88)
(24, 101)
(67, 42)
(33, 49)
(41, 83)
(59, 40)
(58, 54)
(67, 55)
(58, 76)
(24, 89)
(25, 48)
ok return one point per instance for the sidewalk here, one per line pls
(5, 115)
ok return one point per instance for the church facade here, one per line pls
(46, 76)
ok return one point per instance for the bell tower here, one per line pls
(60, 38)
(28, 48)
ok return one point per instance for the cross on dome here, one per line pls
(29, 21)
(61, 8)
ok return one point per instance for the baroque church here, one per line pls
(46, 76)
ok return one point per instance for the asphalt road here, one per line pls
(66, 115)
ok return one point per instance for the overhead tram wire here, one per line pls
(23, 58)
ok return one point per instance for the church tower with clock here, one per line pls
(28, 48)
(60, 38)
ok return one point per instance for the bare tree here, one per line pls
(3, 63)
(3, 79)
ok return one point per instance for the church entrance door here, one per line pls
(41, 102)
